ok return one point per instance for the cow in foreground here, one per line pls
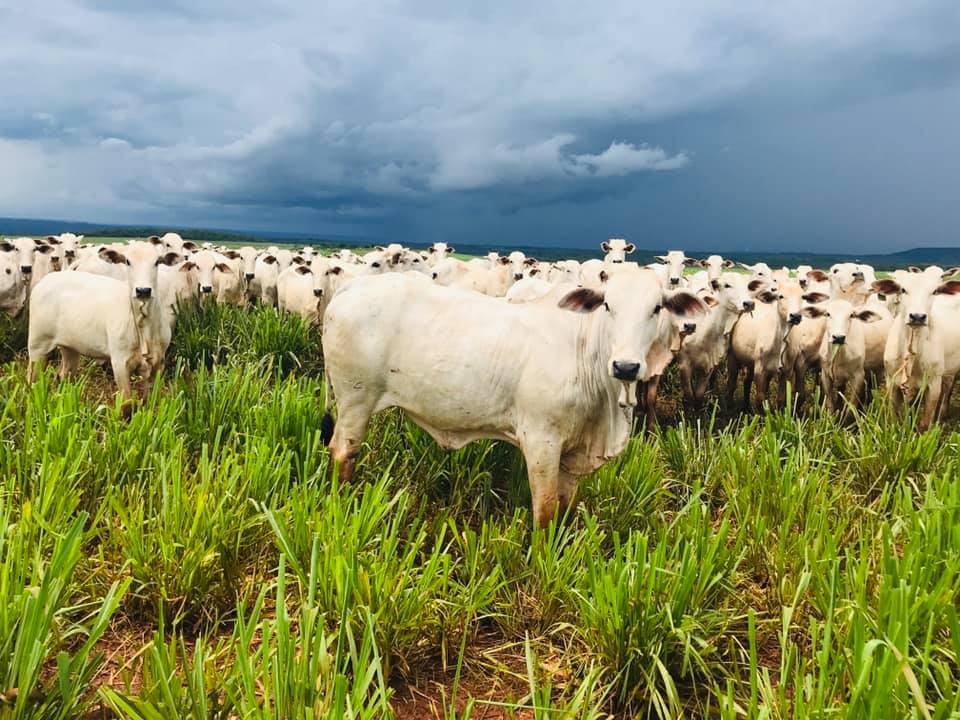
(95, 316)
(555, 378)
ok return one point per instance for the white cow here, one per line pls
(758, 271)
(527, 290)
(47, 260)
(704, 349)
(675, 261)
(921, 353)
(99, 317)
(216, 277)
(564, 271)
(25, 250)
(295, 293)
(842, 350)
(756, 343)
(547, 378)
(71, 245)
(616, 250)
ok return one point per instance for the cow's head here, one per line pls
(69, 243)
(140, 258)
(24, 249)
(616, 250)
(676, 261)
(630, 305)
(715, 265)
(13, 289)
(208, 265)
(248, 262)
(730, 291)
(758, 271)
(912, 294)
(841, 316)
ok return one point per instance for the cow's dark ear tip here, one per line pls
(582, 300)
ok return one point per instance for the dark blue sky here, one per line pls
(754, 125)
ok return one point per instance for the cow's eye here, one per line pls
(835, 272)
(376, 264)
(657, 309)
(606, 306)
(728, 286)
(8, 271)
(128, 262)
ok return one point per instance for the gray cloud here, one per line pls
(375, 115)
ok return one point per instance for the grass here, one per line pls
(200, 561)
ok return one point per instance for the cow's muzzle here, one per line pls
(26, 269)
(143, 293)
(625, 370)
(795, 318)
(248, 276)
(838, 339)
(317, 292)
(206, 289)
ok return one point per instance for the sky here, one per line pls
(748, 125)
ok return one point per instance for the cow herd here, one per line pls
(553, 357)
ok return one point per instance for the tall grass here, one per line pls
(200, 560)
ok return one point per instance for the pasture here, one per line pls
(202, 561)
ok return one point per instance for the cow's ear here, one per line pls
(303, 270)
(45, 249)
(503, 260)
(451, 249)
(534, 271)
(52, 239)
(431, 250)
(690, 262)
(813, 312)
(79, 238)
(682, 303)
(530, 261)
(335, 270)
(187, 266)
(604, 276)
(629, 248)
(817, 275)
(709, 301)
(582, 300)
(768, 297)
(169, 259)
(914, 269)
(605, 246)
(154, 240)
(232, 254)
(951, 287)
(297, 260)
(746, 267)
(815, 297)
(222, 267)
(380, 248)
(755, 285)
(703, 263)
(867, 316)
(189, 245)
(112, 256)
(950, 272)
(662, 259)
(269, 259)
(728, 263)
(7, 247)
(887, 286)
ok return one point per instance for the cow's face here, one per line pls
(11, 280)
(140, 259)
(731, 291)
(69, 243)
(616, 250)
(207, 264)
(631, 304)
(438, 251)
(374, 262)
(715, 265)
(758, 271)
(912, 294)
(841, 318)
(676, 261)
(843, 277)
(24, 249)
(248, 262)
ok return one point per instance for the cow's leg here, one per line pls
(567, 494)
(700, 391)
(827, 387)
(786, 376)
(896, 395)
(543, 470)
(650, 401)
(348, 434)
(69, 359)
(121, 376)
(686, 380)
(945, 393)
(733, 375)
(931, 402)
(747, 388)
(855, 390)
(763, 377)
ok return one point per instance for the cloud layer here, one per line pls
(370, 117)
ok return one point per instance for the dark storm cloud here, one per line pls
(555, 123)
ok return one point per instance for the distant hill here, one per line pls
(945, 257)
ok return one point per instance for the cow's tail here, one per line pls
(327, 423)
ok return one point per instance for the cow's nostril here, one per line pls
(795, 318)
(749, 305)
(689, 328)
(839, 339)
(206, 289)
(918, 318)
(675, 281)
(143, 292)
(317, 292)
(518, 276)
(625, 370)
(26, 269)
(248, 276)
